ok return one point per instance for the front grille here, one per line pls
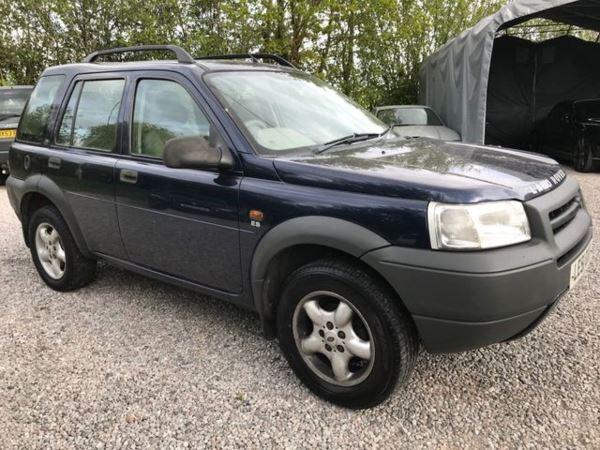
(563, 215)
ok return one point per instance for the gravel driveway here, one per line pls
(130, 362)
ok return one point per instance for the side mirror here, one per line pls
(195, 152)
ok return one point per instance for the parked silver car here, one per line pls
(416, 121)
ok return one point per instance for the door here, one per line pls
(180, 222)
(82, 158)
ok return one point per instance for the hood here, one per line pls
(428, 131)
(425, 169)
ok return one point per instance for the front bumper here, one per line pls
(461, 300)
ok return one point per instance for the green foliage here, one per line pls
(370, 49)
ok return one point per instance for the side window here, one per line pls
(164, 110)
(90, 119)
(35, 117)
(65, 132)
(387, 116)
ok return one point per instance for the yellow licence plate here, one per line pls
(8, 134)
(578, 267)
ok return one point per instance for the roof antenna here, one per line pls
(254, 59)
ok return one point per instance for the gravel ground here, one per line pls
(130, 362)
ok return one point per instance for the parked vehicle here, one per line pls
(571, 132)
(12, 102)
(416, 121)
(261, 185)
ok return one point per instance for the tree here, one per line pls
(370, 49)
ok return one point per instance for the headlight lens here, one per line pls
(477, 226)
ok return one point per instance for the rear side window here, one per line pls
(164, 110)
(35, 117)
(90, 119)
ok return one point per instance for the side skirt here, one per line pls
(236, 299)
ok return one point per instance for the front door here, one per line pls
(180, 222)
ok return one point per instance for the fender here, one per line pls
(17, 189)
(325, 231)
(49, 189)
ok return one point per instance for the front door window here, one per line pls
(164, 110)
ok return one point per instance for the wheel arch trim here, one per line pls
(324, 231)
(47, 188)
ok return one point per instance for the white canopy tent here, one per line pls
(455, 81)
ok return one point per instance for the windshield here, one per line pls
(12, 102)
(283, 111)
(409, 116)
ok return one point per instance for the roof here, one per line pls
(571, 12)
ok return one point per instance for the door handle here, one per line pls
(128, 176)
(54, 162)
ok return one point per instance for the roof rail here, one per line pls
(183, 57)
(254, 57)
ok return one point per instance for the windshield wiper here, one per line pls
(350, 139)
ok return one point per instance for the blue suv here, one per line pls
(258, 184)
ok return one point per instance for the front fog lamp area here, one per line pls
(478, 226)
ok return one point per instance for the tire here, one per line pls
(583, 159)
(55, 253)
(386, 327)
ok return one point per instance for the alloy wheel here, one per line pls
(50, 251)
(333, 338)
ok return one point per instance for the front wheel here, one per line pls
(583, 161)
(344, 335)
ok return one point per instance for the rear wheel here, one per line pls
(583, 161)
(344, 335)
(55, 255)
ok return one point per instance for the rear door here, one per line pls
(82, 158)
(179, 222)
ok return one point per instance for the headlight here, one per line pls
(477, 226)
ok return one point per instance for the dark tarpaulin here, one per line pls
(510, 97)
(455, 79)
